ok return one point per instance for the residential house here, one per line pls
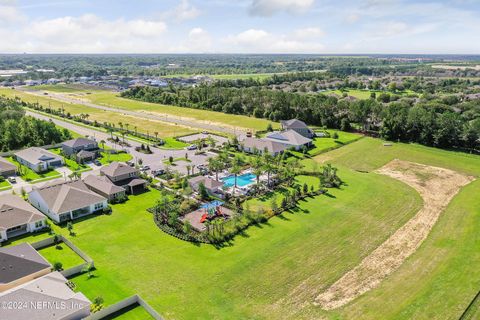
(297, 126)
(18, 217)
(46, 298)
(254, 145)
(104, 187)
(74, 146)
(124, 176)
(85, 156)
(213, 186)
(39, 159)
(7, 169)
(66, 200)
(20, 264)
(290, 139)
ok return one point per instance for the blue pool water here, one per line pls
(242, 180)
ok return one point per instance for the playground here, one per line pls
(207, 213)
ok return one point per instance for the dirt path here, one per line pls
(437, 187)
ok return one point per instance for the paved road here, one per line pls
(154, 160)
(144, 115)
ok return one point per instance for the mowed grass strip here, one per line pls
(112, 99)
(143, 125)
(63, 254)
(171, 274)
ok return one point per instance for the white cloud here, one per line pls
(199, 40)
(184, 11)
(270, 7)
(308, 33)
(257, 40)
(9, 13)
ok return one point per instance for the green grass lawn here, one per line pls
(4, 185)
(65, 255)
(71, 164)
(172, 143)
(107, 158)
(32, 176)
(314, 245)
(365, 94)
(324, 144)
(113, 100)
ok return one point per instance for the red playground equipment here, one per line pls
(212, 211)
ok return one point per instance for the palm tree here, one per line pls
(235, 169)
(268, 165)
(214, 165)
(156, 135)
(257, 165)
(189, 167)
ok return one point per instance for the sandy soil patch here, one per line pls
(437, 186)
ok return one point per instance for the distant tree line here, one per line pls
(444, 122)
(18, 130)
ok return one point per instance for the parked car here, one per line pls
(97, 163)
(158, 172)
(130, 163)
(192, 147)
(12, 180)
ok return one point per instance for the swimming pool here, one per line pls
(242, 180)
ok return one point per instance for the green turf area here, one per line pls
(324, 144)
(4, 185)
(112, 99)
(172, 143)
(135, 312)
(71, 164)
(243, 76)
(28, 174)
(107, 158)
(364, 94)
(65, 255)
(164, 129)
(66, 88)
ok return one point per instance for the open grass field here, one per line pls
(111, 99)
(325, 237)
(164, 129)
(364, 94)
(118, 157)
(66, 88)
(66, 256)
(4, 185)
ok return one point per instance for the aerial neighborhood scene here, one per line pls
(256, 159)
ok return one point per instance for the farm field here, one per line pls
(164, 129)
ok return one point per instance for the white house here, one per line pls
(66, 200)
(17, 217)
(39, 159)
(290, 139)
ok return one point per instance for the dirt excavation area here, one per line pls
(437, 186)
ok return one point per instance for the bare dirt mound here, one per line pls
(437, 186)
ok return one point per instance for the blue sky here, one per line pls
(240, 26)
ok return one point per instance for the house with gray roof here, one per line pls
(254, 145)
(20, 264)
(213, 186)
(290, 139)
(74, 146)
(66, 200)
(7, 168)
(46, 298)
(297, 126)
(104, 187)
(39, 159)
(18, 217)
(124, 176)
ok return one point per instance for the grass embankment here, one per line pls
(143, 125)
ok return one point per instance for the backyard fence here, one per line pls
(125, 303)
(73, 270)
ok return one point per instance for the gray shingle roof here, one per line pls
(20, 261)
(117, 169)
(36, 155)
(290, 137)
(293, 124)
(85, 154)
(67, 196)
(102, 184)
(78, 142)
(261, 144)
(6, 165)
(14, 211)
(49, 290)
